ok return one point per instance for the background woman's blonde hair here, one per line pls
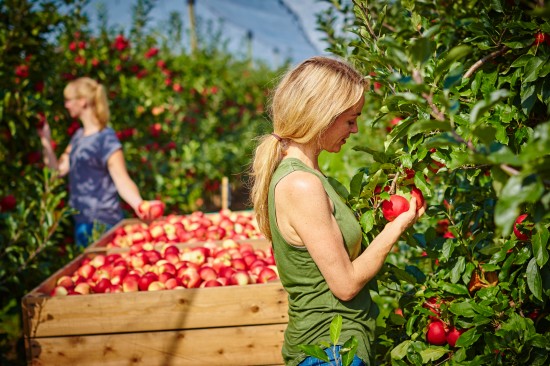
(95, 95)
(307, 100)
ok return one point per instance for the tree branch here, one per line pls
(478, 64)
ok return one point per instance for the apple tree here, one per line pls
(460, 101)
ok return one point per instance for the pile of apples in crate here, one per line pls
(195, 227)
(163, 262)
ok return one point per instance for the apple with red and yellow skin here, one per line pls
(267, 274)
(102, 286)
(151, 209)
(146, 280)
(172, 283)
(130, 283)
(207, 273)
(190, 277)
(240, 278)
(226, 272)
(86, 270)
(156, 286)
(82, 288)
(211, 283)
(239, 264)
(59, 291)
(65, 281)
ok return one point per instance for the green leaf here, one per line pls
(433, 353)
(455, 289)
(531, 71)
(422, 50)
(400, 351)
(534, 280)
(339, 188)
(463, 309)
(335, 328)
(528, 97)
(468, 338)
(314, 351)
(484, 106)
(453, 55)
(378, 156)
(367, 221)
(540, 242)
(458, 269)
(355, 184)
(429, 126)
(348, 351)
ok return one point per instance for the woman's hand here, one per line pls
(45, 132)
(408, 218)
(150, 210)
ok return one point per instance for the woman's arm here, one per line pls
(62, 165)
(125, 186)
(304, 215)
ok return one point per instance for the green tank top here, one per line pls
(311, 304)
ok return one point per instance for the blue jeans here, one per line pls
(83, 232)
(312, 361)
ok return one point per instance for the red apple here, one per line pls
(172, 283)
(239, 264)
(130, 283)
(207, 273)
(211, 283)
(436, 333)
(417, 194)
(267, 274)
(146, 280)
(190, 277)
(102, 286)
(98, 261)
(394, 207)
(156, 286)
(452, 336)
(86, 271)
(65, 281)
(240, 278)
(522, 235)
(82, 288)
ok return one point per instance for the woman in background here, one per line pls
(94, 161)
(315, 236)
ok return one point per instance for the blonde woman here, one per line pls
(94, 162)
(315, 236)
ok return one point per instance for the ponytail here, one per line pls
(101, 104)
(267, 157)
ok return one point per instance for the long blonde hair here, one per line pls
(95, 95)
(307, 100)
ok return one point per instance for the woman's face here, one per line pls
(346, 124)
(74, 105)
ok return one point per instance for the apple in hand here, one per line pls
(394, 207)
(151, 210)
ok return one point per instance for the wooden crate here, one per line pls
(232, 325)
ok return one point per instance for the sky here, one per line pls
(281, 29)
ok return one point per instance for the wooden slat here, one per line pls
(152, 311)
(239, 346)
